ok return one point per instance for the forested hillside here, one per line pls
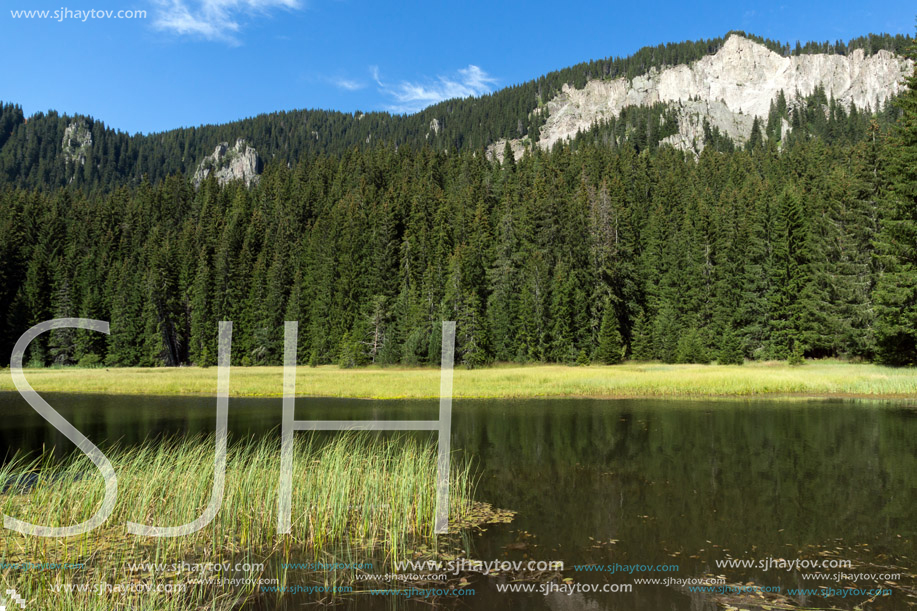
(31, 154)
(605, 247)
(565, 256)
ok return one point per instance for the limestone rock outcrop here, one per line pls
(76, 142)
(729, 88)
(228, 163)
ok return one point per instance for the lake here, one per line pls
(632, 482)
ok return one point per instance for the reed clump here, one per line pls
(354, 495)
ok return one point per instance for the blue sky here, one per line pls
(191, 62)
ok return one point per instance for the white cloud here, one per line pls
(348, 84)
(374, 70)
(213, 19)
(411, 97)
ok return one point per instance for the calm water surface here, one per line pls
(671, 482)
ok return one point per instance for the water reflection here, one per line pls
(628, 482)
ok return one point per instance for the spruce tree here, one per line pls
(790, 270)
(666, 334)
(896, 291)
(62, 342)
(641, 347)
(691, 348)
(610, 349)
(730, 349)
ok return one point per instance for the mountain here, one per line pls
(729, 89)
(688, 94)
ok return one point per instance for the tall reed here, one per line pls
(353, 494)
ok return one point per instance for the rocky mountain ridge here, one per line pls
(689, 94)
(729, 89)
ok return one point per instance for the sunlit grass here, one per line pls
(815, 378)
(355, 494)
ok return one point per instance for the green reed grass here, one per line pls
(353, 494)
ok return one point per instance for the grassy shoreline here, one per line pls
(630, 380)
(352, 497)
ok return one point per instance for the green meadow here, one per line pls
(755, 379)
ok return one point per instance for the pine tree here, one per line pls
(796, 357)
(126, 323)
(610, 349)
(730, 349)
(563, 313)
(691, 348)
(666, 334)
(641, 346)
(350, 352)
(533, 309)
(203, 348)
(375, 328)
(755, 140)
(896, 291)
(790, 274)
(62, 342)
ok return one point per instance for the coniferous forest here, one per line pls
(607, 247)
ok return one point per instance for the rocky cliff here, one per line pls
(76, 142)
(239, 162)
(729, 89)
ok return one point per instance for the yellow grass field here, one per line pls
(815, 378)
